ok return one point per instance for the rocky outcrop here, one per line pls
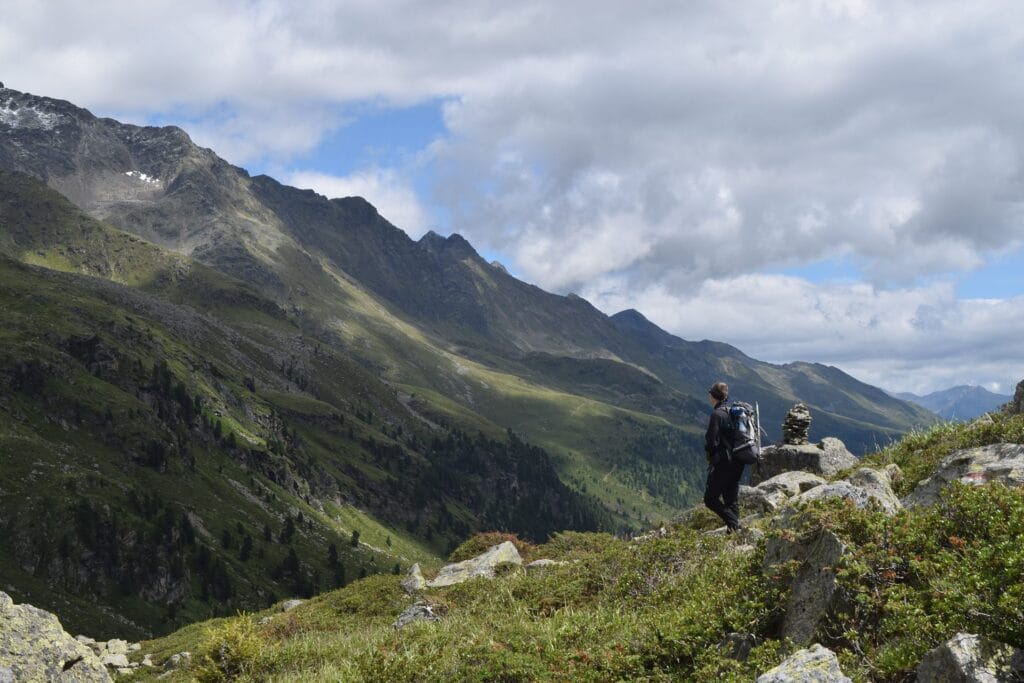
(974, 466)
(825, 459)
(289, 605)
(481, 566)
(414, 580)
(796, 425)
(968, 658)
(34, 647)
(813, 587)
(816, 664)
(419, 611)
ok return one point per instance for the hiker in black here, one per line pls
(723, 487)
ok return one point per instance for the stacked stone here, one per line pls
(796, 425)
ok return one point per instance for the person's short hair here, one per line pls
(719, 391)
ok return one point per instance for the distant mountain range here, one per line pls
(210, 379)
(958, 403)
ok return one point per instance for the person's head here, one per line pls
(718, 392)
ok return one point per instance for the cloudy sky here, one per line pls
(834, 181)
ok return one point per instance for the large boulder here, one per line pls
(814, 586)
(974, 466)
(791, 483)
(968, 658)
(816, 664)
(481, 566)
(34, 647)
(825, 459)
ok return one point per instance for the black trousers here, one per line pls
(722, 492)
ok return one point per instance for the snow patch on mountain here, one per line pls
(143, 177)
(28, 117)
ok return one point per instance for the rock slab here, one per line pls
(481, 566)
(969, 658)
(816, 664)
(814, 586)
(1002, 463)
(34, 647)
(419, 611)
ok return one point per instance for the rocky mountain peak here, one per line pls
(455, 245)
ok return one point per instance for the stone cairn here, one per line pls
(796, 425)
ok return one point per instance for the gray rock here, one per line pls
(968, 658)
(791, 483)
(117, 647)
(878, 484)
(289, 605)
(759, 501)
(34, 647)
(419, 611)
(414, 581)
(178, 661)
(813, 587)
(481, 566)
(824, 459)
(816, 664)
(872, 489)
(119, 660)
(974, 466)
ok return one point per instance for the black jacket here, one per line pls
(718, 438)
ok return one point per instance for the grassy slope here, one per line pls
(51, 459)
(657, 609)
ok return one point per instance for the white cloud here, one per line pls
(384, 188)
(912, 339)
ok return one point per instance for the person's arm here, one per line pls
(712, 437)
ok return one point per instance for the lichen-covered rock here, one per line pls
(813, 587)
(289, 605)
(878, 484)
(178, 661)
(791, 483)
(481, 566)
(34, 647)
(825, 459)
(873, 489)
(1002, 462)
(414, 580)
(816, 664)
(969, 658)
(419, 611)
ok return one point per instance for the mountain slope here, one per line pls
(185, 447)
(618, 402)
(958, 403)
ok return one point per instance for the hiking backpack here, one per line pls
(746, 433)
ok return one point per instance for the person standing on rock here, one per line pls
(721, 493)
